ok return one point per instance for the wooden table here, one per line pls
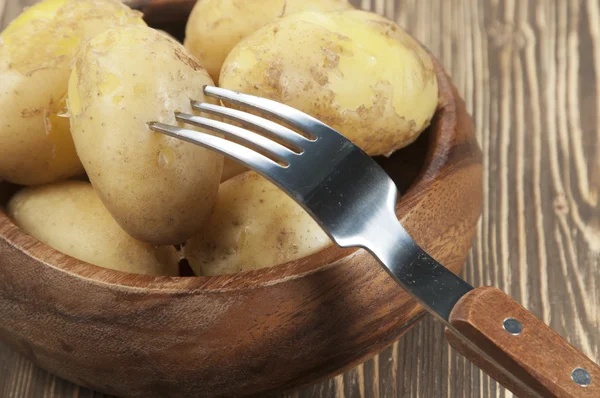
(530, 74)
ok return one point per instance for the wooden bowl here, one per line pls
(251, 332)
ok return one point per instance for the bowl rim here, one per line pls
(437, 156)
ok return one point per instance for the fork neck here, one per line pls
(415, 270)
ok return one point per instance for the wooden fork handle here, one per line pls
(534, 360)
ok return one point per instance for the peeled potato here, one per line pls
(70, 217)
(215, 26)
(354, 70)
(254, 225)
(159, 189)
(36, 52)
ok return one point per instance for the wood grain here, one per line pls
(531, 361)
(529, 72)
(249, 333)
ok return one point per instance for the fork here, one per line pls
(353, 200)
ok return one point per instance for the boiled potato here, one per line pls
(36, 52)
(231, 168)
(70, 217)
(215, 26)
(159, 189)
(254, 225)
(354, 70)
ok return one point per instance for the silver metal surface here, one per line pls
(267, 127)
(246, 137)
(581, 377)
(512, 326)
(344, 190)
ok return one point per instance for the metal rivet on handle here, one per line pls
(512, 326)
(581, 377)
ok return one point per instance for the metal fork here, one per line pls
(353, 200)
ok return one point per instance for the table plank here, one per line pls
(529, 72)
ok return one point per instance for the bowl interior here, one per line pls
(404, 167)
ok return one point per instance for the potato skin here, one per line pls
(254, 225)
(36, 51)
(216, 26)
(159, 189)
(354, 70)
(231, 168)
(70, 217)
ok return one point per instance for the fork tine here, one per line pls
(251, 139)
(310, 126)
(265, 126)
(247, 156)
